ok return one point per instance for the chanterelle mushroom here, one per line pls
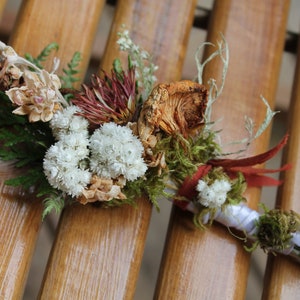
(177, 107)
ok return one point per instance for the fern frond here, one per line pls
(42, 56)
(69, 78)
(54, 202)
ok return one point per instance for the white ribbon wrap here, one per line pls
(243, 218)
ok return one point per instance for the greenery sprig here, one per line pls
(43, 56)
(71, 72)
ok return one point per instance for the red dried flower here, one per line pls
(108, 98)
(232, 167)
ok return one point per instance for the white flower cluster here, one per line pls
(66, 122)
(111, 151)
(116, 151)
(63, 162)
(214, 195)
(142, 61)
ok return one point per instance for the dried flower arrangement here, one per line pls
(120, 137)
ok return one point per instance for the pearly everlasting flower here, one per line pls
(116, 151)
(63, 165)
(38, 97)
(66, 121)
(213, 195)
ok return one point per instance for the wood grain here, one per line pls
(38, 24)
(72, 25)
(20, 219)
(2, 5)
(282, 278)
(161, 27)
(98, 252)
(212, 264)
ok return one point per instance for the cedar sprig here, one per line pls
(23, 142)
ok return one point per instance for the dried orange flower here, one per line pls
(175, 108)
(103, 189)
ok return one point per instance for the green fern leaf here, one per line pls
(42, 56)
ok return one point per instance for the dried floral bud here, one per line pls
(10, 75)
(103, 189)
(174, 108)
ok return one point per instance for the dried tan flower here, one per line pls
(103, 189)
(38, 97)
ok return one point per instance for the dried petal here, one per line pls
(103, 189)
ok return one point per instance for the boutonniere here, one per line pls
(123, 135)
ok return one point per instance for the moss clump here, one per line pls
(183, 156)
(275, 228)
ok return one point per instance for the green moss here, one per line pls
(238, 187)
(275, 228)
(152, 187)
(183, 156)
(198, 217)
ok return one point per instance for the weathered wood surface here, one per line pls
(212, 264)
(282, 278)
(39, 23)
(98, 252)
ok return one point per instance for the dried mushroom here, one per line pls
(175, 108)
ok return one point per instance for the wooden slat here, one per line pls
(282, 278)
(20, 219)
(71, 25)
(97, 253)
(161, 27)
(39, 23)
(2, 5)
(213, 264)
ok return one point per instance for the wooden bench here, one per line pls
(97, 253)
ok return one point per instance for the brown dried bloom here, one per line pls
(103, 189)
(38, 97)
(175, 108)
